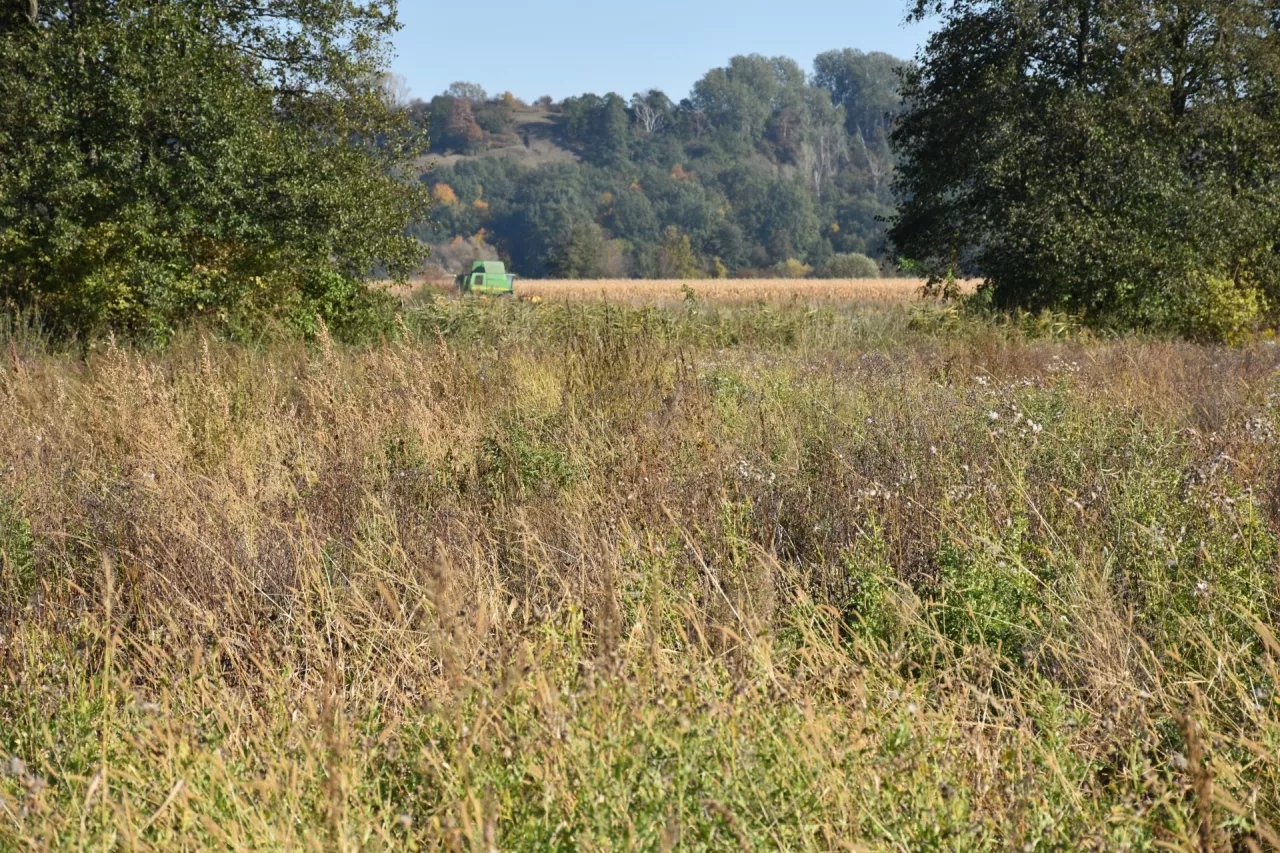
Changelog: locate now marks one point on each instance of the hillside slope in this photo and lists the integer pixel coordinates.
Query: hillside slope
(762, 169)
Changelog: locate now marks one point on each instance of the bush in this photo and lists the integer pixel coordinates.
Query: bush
(851, 265)
(1217, 308)
(791, 268)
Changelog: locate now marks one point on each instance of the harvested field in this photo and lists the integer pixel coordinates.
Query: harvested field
(727, 290)
(660, 291)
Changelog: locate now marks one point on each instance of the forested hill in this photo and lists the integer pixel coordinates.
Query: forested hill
(763, 167)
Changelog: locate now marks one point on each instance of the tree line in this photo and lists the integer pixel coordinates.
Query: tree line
(762, 169)
(246, 165)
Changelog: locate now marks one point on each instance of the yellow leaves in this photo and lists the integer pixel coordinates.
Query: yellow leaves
(1219, 308)
(444, 194)
(792, 268)
(678, 172)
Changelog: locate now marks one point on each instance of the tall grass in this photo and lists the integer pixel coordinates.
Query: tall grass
(563, 577)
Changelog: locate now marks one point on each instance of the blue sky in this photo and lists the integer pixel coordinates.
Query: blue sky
(567, 47)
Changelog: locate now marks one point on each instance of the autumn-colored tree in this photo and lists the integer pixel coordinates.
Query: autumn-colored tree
(462, 131)
(444, 194)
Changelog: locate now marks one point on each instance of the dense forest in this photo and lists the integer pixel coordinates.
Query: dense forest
(762, 169)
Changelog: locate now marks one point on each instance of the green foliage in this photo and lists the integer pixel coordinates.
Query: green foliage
(675, 256)
(1051, 150)
(757, 166)
(865, 85)
(1217, 308)
(17, 558)
(163, 163)
(517, 461)
(850, 265)
(792, 268)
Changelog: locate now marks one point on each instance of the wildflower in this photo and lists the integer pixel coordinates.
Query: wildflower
(993, 416)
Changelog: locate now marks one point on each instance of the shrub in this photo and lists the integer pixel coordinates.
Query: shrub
(791, 268)
(852, 265)
(1217, 308)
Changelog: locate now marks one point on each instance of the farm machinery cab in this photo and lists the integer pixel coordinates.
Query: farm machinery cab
(487, 277)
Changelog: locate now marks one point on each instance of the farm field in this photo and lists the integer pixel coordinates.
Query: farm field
(595, 576)
(727, 290)
(665, 291)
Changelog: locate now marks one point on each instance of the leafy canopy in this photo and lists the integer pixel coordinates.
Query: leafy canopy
(759, 165)
(225, 160)
(1118, 158)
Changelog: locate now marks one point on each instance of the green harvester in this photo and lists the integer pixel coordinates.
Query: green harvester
(487, 277)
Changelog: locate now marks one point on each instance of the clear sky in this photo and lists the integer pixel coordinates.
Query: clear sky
(568, 47)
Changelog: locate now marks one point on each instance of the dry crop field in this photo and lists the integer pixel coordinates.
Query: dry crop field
(725, 290)
(665, 291)
(597, 577)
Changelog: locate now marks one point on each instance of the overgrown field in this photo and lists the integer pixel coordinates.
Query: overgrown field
(593, 577)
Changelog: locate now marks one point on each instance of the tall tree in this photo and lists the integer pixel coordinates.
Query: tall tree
(1118, 158)
(462, 131)
(652, 111)
(212, 158)
(865, 84)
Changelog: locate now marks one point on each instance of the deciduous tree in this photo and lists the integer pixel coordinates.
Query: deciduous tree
(212, 159)
(1118, 158)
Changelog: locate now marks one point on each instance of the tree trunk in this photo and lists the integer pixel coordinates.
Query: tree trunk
(33, 12)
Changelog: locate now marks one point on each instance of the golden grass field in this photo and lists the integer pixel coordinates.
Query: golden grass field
(725, 290)
(639, 291)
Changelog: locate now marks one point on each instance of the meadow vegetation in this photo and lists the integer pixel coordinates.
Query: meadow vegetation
(596, 577)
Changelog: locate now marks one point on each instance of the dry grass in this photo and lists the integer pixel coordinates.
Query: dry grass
(589, 577)
(636, 291)
(654, 291)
